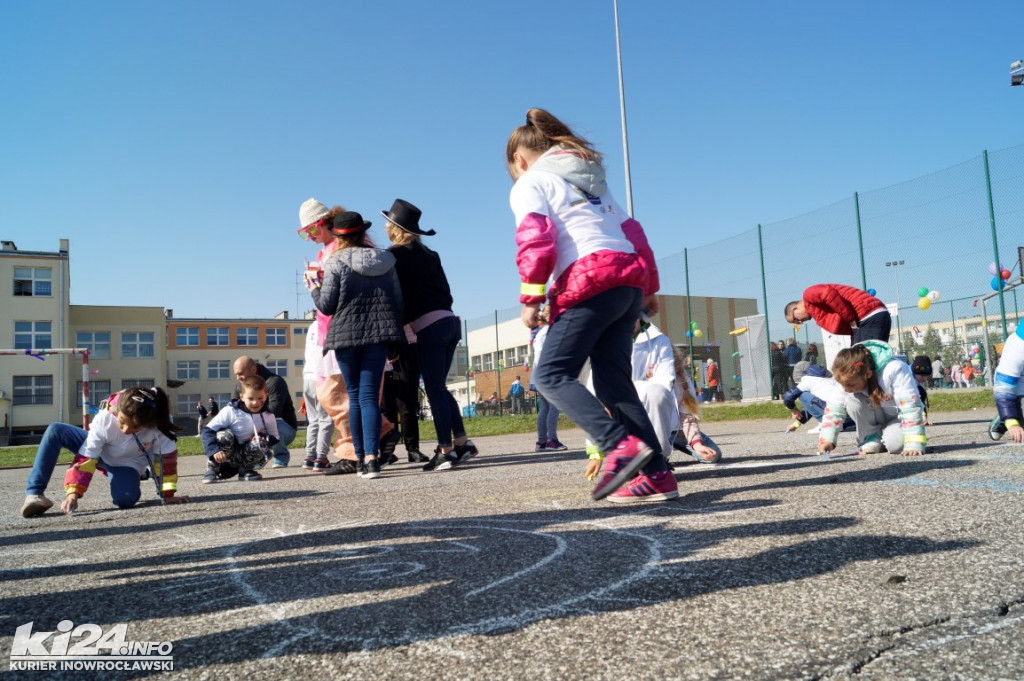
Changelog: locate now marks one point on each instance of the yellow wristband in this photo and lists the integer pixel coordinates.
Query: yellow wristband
(594, 453)
(532, 289)
(1010, 423)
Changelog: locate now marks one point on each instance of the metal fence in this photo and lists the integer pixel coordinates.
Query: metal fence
(939, 232)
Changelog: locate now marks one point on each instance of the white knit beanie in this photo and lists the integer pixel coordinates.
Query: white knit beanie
(311, 211)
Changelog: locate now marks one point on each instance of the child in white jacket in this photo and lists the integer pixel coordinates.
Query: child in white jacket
(882, 399)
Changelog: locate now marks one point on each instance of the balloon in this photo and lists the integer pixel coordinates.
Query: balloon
(922, 292)
(698, 333)
(993, 268)
(924, 303)
(693, 326)
(934, 296)
(1005, 274)
(738, 332)
(997, 283)
(689, 334)
(871, 291)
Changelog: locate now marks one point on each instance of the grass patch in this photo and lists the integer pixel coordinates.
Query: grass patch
(483, 426)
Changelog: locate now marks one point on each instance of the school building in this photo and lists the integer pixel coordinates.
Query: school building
(128, 346)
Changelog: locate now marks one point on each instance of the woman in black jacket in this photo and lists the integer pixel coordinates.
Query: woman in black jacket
(428, 315)
(361, 293)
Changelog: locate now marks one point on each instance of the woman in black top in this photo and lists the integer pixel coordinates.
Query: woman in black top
(428, 315)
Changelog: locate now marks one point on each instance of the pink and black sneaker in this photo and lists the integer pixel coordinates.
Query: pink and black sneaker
(621, 464)
(645, 488)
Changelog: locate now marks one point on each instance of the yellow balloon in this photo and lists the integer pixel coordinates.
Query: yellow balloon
(698, 333)
(924, 303)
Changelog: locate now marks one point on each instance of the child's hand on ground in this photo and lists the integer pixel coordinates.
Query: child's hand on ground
(1016, 433)
(706, 454)
(220, 457)
(69, 504)
(793, 426)
(593, 468)
(176, 500)
(826, 447)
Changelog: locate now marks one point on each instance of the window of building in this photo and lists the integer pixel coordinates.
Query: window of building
(186, 404)
(247, 335)
(137, 383)
(217, 335)
(523, 354)
(186, 336)
(277, 337)
(217, 369)
(488, 362)
(299, 331)
(33, 390)
(33, 281)
(98, 391)
(278, 366)
(221, 399)
(137, 345)
(28, 335)
(96, 342)
(188, 370)
(476, 363)
(300, 363)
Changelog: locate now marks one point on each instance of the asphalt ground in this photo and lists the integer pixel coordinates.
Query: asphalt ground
(777, 563)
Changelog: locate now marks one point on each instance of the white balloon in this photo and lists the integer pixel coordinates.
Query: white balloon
(934, 296)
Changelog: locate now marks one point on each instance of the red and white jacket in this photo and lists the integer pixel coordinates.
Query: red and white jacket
(574, 241)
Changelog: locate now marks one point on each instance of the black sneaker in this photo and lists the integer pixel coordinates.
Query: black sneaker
(387, 459)
(249, 476)
(996, 429)
(343, 467)
(371, 469)
(442, 462)
(467, 451)
(416, 456)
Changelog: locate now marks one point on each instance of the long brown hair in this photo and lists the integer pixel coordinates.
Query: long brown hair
(541, 132)
(689, 401)
(857, 362)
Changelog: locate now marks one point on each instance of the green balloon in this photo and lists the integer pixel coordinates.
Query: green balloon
(693, 325)
(922, 292)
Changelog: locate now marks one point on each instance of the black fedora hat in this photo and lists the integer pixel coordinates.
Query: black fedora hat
(349, 222)
(407, 217)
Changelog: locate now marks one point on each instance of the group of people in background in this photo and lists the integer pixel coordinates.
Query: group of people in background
(384, 321)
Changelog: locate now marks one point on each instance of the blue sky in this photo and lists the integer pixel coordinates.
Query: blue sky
(179, 138)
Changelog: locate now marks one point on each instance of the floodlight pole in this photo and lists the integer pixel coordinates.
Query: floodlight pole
(622, 113)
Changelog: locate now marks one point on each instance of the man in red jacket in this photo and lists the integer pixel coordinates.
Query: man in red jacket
(842, 310)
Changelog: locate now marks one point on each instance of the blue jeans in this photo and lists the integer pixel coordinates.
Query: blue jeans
(287, 435)
(547, 420)
(812, 405)
(435, 349)
(601, 329)
(362, 369)
(124, 480)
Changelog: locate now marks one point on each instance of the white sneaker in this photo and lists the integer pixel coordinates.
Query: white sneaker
(815, 430)
(35, 504)
(871, 447)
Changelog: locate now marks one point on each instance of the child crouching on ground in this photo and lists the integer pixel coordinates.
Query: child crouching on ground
(689, 439)
(882, 399)
(238, 440)
(132, 433)
(815, 387)
(1008, 389)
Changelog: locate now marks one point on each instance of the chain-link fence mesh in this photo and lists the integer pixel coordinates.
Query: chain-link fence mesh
(931, 234)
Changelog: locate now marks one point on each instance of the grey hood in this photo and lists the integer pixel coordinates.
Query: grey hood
(571, 166)
(370, 262)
